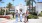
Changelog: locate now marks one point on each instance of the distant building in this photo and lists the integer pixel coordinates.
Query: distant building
(21, 6)
(3, 8)
(38, 7)
(11, 9)
(24, 8)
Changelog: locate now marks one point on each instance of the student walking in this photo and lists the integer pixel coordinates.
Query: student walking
(16, 15)
(21, 15)
(27, 16)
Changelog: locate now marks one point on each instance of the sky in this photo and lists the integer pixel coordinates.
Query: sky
(15, 2)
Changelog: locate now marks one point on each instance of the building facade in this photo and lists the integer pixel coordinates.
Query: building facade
(38, 7)
(21, 6)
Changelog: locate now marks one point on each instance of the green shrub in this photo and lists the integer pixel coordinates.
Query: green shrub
(33, 16)
(2, 12)
(33, 13)
(7, 12)
(40, 14)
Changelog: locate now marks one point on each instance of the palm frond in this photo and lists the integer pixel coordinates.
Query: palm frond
(28, 2)
(12, 0)
(9, 5)
(0, 0)
(37, 0)
(34, 1)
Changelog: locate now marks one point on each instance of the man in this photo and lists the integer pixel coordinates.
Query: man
(21, 15)
(16, 15)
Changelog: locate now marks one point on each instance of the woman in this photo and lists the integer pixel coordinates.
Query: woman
(27, 15)
(25, 18)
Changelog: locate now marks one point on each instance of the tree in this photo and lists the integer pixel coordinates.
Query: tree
(1, 1)
(28, 3)
(32, 4)
(12, 0)
(2, 12)
(9, 5)
(13, 12)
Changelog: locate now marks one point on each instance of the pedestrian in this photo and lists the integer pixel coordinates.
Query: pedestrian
(21, 15)
(27, 14)
(16, 15)
(25, 18)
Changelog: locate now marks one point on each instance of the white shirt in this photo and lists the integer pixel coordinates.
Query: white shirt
(21, 13)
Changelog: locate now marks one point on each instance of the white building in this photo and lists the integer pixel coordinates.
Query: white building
(21, 6)
(12, 9)
(38, 7)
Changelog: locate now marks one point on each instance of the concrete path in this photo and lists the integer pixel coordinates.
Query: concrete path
(29, 21)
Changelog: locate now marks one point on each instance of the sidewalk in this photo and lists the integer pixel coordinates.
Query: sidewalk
(29, 21)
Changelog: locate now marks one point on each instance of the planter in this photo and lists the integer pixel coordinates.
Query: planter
(2, 16)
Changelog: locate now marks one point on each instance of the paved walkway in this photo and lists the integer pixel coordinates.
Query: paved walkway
(29, 21)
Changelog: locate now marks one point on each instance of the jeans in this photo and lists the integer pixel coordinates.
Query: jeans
(21, 18)
(16, 19)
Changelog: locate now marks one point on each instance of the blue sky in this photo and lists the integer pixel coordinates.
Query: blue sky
(16, 2)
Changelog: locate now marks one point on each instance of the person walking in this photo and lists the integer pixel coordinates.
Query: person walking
(27, 14)
(21, 15)
(16, 15)
(26, 17)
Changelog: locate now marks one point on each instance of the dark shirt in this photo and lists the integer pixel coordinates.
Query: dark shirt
(16, 14)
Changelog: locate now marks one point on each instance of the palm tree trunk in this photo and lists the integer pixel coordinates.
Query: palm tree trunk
(0, 0)
(13, 13)
(32, 6)
(29, 6)
(1, 8)
(9, 9)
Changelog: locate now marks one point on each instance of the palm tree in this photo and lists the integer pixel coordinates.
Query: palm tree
(28, 3)
(12, 0)
(13, 13)
(9, 6)
(32, 4)
(1, 1)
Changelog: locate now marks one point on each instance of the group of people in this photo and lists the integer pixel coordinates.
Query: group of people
(20, 14)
